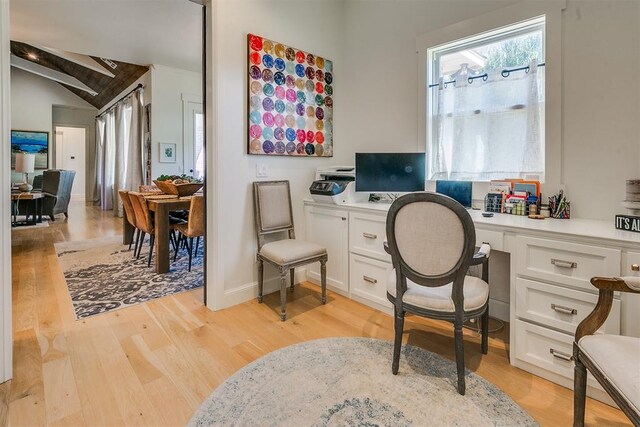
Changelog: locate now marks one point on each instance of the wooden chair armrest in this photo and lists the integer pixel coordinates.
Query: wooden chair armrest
(385, 244)
(482, 255)
(607, 286)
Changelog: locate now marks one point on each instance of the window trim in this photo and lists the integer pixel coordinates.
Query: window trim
(484, 24)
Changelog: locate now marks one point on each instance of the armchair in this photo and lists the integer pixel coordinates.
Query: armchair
(613, 360)
(56, 184)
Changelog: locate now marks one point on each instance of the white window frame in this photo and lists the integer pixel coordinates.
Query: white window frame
(482, 26)
(436, 52)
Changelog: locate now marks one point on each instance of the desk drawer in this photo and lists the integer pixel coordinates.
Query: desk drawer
(494, 238)
(569, 264)
(547, 349)
(367, 234)
(559, 307)
(369, 278)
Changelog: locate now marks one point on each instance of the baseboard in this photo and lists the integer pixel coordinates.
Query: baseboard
(249, 291)
(499, 310)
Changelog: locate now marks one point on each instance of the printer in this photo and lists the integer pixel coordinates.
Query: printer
(336, 185)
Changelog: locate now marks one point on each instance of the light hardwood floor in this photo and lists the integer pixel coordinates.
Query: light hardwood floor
(154, 363)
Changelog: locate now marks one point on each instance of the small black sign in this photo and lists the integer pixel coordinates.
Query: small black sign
(628, 223)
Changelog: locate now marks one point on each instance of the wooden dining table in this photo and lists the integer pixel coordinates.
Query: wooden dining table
(161, 206)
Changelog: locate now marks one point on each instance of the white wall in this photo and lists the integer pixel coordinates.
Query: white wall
(6, 341)
(32, 101)
(601, 104)
(314, 26)
(600, 48)
(168, 85)
(80, 117)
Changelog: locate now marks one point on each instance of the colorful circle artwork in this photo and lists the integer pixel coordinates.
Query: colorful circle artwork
(267, 61)
(290, 100)
(278, 77)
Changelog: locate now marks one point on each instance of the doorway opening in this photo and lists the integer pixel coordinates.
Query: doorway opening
(70, 147)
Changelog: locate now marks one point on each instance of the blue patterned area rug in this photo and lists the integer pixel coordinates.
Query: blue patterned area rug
(348, 382)
(102, 275)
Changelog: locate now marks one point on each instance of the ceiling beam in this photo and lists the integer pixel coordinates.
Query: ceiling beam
(50, 74)
(84, 60)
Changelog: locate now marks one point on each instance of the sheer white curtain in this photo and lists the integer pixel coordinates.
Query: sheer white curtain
(136, 158)
(107, 167)
(489, 129)
(120, 159)
(100, 141)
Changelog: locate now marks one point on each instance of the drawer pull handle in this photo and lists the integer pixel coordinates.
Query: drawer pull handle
(369, 279)
(370, 236)
(344, 218)
(635, 267)
(565, 310)
(564, 264)
(560, 355)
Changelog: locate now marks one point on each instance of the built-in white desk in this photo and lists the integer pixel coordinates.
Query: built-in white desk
(551, 264)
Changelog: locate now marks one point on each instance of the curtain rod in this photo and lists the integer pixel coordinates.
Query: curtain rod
(505, 73)
(139, 86)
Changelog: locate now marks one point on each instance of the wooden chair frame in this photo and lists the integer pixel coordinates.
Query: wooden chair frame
(456, 276)
(283, 269)
(593, 322)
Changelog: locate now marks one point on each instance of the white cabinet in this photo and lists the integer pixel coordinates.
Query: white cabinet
(330, 228)
(552, 263)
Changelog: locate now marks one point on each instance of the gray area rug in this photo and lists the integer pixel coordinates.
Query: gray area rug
(102, 275)
(348, 381)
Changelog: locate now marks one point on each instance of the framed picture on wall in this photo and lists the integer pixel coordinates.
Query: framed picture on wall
(31, 142)
(290, 97)
(167, 152)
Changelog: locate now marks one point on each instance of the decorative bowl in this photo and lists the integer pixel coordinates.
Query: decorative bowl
(179, 190)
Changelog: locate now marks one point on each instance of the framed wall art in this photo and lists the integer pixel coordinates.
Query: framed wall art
(290, 97)
(167, 152)
(31, 142)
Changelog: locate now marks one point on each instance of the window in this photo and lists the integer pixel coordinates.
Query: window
(486, 105)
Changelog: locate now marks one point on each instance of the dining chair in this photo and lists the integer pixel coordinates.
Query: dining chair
(131, 216)
(192, 229)
(431, 239)
(613, 360)
(273, 214)
(144, 221)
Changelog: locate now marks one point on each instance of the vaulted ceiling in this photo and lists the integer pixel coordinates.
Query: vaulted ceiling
(166, 32)
(106, 78)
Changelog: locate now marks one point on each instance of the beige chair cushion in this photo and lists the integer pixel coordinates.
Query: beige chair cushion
(476, 294)
(633, 282)
(618, 358)
(288, 251)
(430, 237)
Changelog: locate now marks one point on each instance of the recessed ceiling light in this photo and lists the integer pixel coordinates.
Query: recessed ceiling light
(33, 56)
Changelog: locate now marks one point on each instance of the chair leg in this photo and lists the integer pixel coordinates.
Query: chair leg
(323, 280)
(260, 279)
(190, 251)
(131, 242)
(152, 241)
(172, 240)
(459, 356)
(398, 317)
(140, 243)
(292, 274)
(579, 392)
(485, 331)
(283, 294)
(175, 255)
(197, 244)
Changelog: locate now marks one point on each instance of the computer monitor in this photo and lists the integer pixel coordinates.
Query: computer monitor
(390, 172)
(460, 191)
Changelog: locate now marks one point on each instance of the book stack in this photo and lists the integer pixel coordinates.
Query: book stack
(632, 199)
